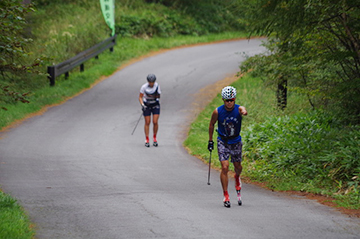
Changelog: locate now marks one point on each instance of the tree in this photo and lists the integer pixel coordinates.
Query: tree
(316, 43)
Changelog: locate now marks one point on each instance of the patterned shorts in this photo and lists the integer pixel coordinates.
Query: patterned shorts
(227, 150)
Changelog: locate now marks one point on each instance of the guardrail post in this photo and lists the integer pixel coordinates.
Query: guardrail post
(113, 40)
(82, 68)
(51, 76)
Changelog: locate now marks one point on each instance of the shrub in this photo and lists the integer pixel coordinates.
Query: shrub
(310, 147)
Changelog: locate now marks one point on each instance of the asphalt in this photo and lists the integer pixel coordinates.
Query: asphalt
(79, 172)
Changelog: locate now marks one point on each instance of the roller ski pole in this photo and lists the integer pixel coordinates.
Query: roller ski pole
(137, 124)
(209, 169)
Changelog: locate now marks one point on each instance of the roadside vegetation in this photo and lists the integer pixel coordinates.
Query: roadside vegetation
(302, 132)
(313, 51)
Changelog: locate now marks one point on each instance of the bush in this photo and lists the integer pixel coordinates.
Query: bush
(313, 148)
(169, 24)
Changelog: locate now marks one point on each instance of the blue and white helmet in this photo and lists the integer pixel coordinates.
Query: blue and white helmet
(228, 92)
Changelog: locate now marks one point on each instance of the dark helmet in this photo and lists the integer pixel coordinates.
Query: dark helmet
(151, 78)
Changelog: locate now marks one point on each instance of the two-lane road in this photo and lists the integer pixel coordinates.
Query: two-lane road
(80, 173)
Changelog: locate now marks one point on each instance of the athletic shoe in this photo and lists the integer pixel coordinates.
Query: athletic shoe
(227, 202)
(147, 144)
(155, 141)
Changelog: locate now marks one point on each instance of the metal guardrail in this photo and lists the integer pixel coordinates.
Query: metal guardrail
(64, 67)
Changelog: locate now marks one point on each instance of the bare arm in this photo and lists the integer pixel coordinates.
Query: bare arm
(242, 110)
(214, 118)
(141, 99)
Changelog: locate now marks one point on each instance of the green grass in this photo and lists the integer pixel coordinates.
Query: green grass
(14, 221)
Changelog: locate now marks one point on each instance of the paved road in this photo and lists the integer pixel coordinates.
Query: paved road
(80, 174)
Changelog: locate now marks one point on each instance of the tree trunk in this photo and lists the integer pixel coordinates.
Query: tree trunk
(281, 93)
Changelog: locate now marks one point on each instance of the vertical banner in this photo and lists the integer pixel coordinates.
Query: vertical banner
(108, 10)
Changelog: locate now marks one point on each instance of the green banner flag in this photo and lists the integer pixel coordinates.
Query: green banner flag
(108, 10)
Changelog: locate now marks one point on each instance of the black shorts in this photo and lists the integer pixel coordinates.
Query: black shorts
(152, 109)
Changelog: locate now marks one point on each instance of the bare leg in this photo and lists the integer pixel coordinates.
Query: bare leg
(224, 174)
(224, 181)
(147, 126)
(238, 169)
(155, 123)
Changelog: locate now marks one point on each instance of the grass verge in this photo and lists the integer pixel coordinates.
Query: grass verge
(14, 221)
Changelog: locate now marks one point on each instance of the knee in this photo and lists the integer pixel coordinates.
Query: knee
(238, 168)
(224, 169)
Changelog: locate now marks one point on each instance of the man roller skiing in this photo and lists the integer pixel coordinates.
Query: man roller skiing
(228, 116)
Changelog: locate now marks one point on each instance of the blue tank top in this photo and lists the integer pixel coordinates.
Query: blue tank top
(229, 124)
